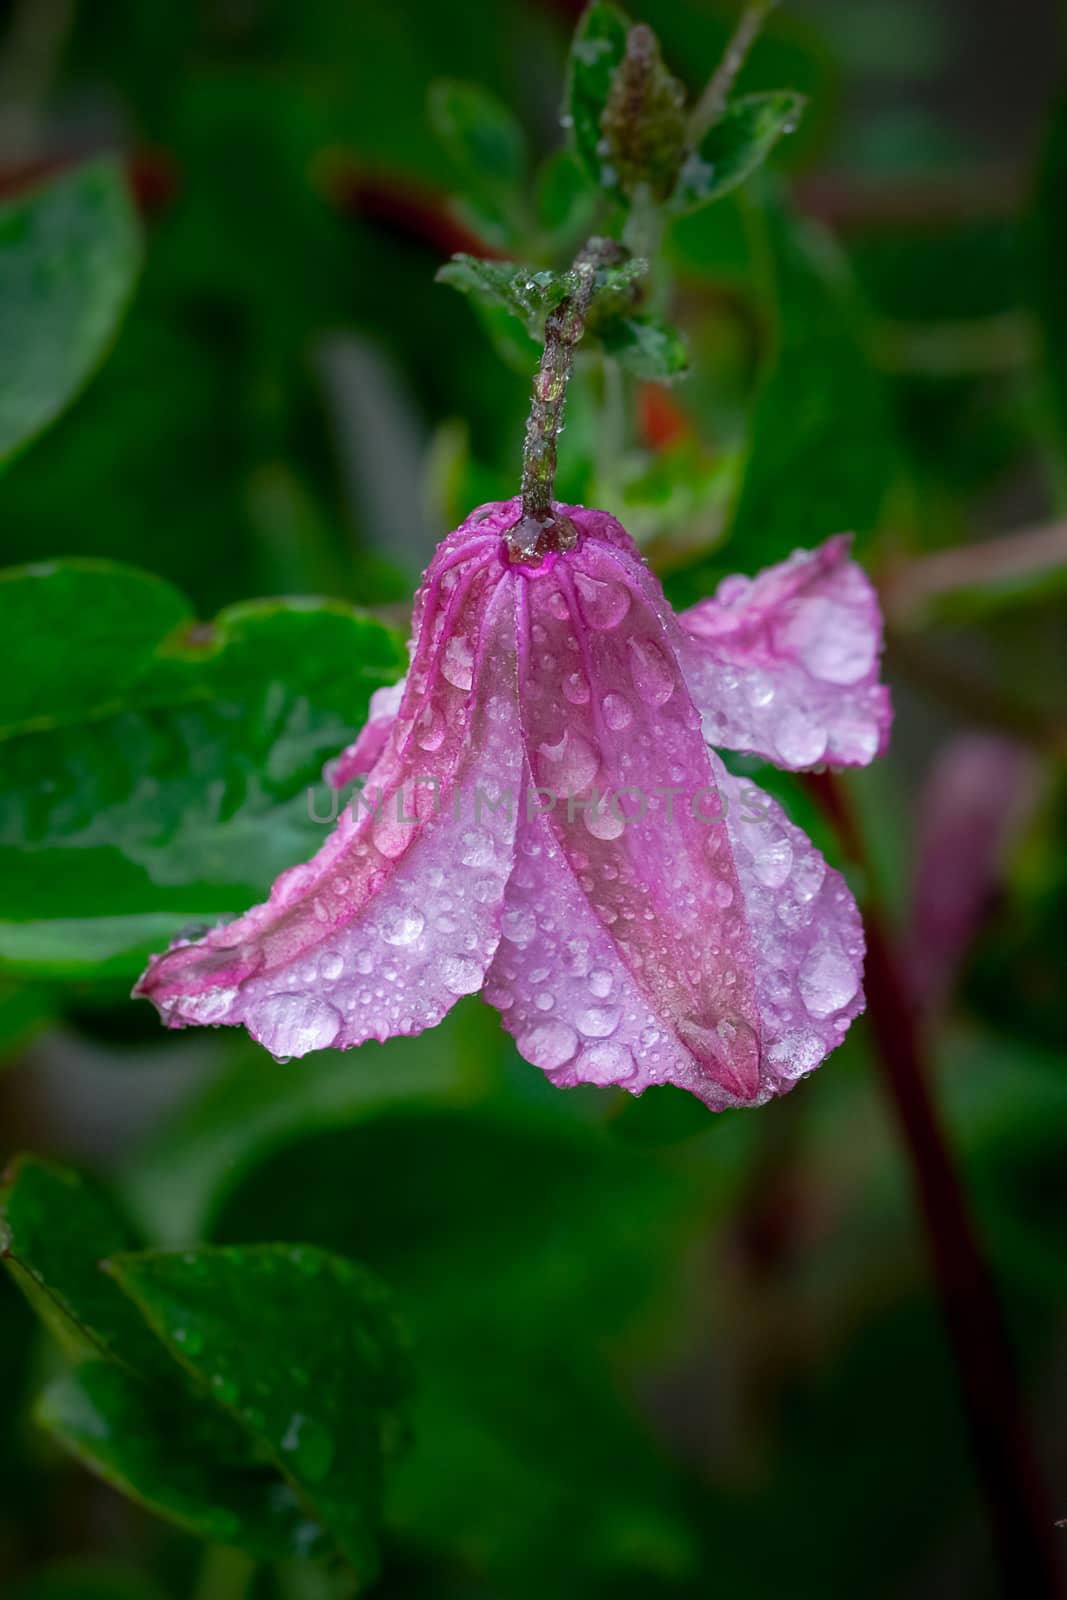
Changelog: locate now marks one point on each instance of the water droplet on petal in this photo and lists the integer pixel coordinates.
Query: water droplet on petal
(293, 1024)
(401, 924)
(332, 966)
(575, 689)
(600, 982)
(430, 729)
(599, 1022)
(548, 1045)
(651, 672)
(618, 712)
(827, 981)
(799, 740)
(604, 604)
(570, 765)
(518, 926)
(606, 1063)
(460, 975)
(457, 663)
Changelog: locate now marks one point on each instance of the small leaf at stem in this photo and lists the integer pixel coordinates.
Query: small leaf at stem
(598, 47)
(646, 346)
(735, 145)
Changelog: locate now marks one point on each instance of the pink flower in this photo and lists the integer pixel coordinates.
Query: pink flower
(543, 821)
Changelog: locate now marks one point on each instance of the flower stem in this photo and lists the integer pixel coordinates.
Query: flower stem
(539, 529)
(992, 1394)
(712, 103)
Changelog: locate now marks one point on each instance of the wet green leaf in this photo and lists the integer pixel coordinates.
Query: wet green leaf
(179, 1457)
(303, 1349)
(179, 789)
(821, 452)
(487, 147)
(56, 1226)
(735, 146)
(647, 346)
(69, 254)
(530, 293)
(644, 122)
(597, 49)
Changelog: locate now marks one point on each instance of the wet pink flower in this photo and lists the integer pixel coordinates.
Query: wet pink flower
(542, 820)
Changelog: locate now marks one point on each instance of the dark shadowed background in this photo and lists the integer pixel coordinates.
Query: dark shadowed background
(657, 1352)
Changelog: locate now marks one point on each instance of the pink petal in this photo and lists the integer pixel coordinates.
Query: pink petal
(398, 914)
(972, 808)
(804, 930)
(625, 957)
(785, 665)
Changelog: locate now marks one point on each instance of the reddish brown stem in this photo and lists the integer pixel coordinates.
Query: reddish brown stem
(992, 1394)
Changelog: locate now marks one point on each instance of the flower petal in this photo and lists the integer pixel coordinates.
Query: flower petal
(625, 957)
(785, 665)
(804, 929)
(398, 914)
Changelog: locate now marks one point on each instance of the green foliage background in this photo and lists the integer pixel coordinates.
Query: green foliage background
(408, 1318)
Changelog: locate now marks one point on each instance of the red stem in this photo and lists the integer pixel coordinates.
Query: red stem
(992, 1394)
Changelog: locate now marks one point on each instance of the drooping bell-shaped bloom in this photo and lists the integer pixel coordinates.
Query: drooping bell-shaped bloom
(543, 819)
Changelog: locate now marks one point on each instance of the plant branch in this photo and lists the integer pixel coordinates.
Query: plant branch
(539, 529)
(975, 1324)
(712, 103)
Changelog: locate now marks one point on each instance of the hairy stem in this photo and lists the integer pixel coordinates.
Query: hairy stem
(712, 103)
(992, 1395)
(538, 528)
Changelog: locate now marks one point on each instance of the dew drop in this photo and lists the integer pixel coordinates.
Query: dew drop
(293, 1024)
(570, 765)
(332, 966)
(799, 740)
(606, 1063)
(575, 689)
(457, 663)
(599, 1022)
(650, 671)
(827, 981)
(548, 1045)
(309, 1447)
(401, 925)
(600, 983)
(618, 712)
(518, 926)
(604, 604)
(460, 975)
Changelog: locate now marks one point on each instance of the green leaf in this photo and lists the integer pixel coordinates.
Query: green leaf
(303, 1349)
(646, 346)
(56, 1226)
(177, 1455)
(523, 1320)
(527, 293)
(24, 1008)
(530, 293)
(69, 255)
(821, 453)
(487, 147)
(173, 772)
(597, 49)
(734, 146)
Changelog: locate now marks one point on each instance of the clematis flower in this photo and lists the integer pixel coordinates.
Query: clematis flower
(544, 818)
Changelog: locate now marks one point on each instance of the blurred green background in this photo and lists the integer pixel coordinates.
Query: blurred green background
(656, 1352)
